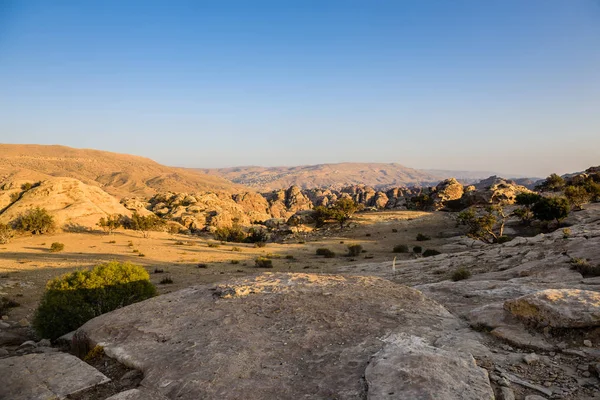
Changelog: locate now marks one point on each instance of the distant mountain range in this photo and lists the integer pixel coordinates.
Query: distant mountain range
(118, 174)
(380, 176)
(335, 176)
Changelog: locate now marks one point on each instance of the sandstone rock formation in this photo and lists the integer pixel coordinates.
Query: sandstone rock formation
(558, 308)
(449, 189)
(288, 336)
(73, 204)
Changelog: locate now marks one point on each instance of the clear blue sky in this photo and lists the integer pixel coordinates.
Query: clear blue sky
(506, 85)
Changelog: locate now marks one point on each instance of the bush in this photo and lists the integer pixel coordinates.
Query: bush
(36, 221)
(215, 245)
(422, 238)
(235, 262)
(6, 304)
(417, 249)
(56, 247)
(260, 244)
(503, 239)
(144, 224)
(430, 252)
(400, 248)
(263, 262)
(167, 280)
(551, 208)
(6, 233)
(577, 196)
(71, 300)
(354, 250)
(110, 223)
(325, 252)
(230, 234)
(461, 274)
(257, 236)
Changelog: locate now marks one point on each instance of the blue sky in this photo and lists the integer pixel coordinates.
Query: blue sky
(506, 85)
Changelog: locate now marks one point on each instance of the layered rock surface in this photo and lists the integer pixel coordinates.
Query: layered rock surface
(286, 336)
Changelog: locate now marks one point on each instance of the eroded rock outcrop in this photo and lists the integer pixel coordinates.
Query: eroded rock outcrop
(283, 336)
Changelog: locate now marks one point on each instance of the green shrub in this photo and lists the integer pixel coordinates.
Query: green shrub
(6, 233)
(167, 280)
(503, 239)
(144, 223)
(417, 249)
(230, 234)
(289, 257)
(551, 208)
(400, 248)
(422, 238)
(461, 274)
(235, 262)
(257, 236)
(110, 223)
(322, 251)
(430, 252)
(584, 267)
(72, 299)
(260, 244)
(263, 262)
(215, 245)
(6, 304)
(56, 247)
(36, 221)
(354, 250)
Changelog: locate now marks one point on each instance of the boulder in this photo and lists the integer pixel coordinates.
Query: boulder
(276, 336)
(46, 376)
(558, 308)
(449, 189)
(409, 368)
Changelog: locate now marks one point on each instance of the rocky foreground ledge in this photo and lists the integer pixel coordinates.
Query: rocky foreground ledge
(288, 336)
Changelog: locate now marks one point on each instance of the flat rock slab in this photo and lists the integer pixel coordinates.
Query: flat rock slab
(518, 337)
(138, 394)
(273, 336)
(558, 308)
(46, 376)
(409, 368)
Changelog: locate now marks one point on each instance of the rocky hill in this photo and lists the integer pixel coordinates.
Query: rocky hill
(331, 176)
(118, 174)
(73, 204)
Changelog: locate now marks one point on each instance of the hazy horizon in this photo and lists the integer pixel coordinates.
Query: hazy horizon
(507, 86)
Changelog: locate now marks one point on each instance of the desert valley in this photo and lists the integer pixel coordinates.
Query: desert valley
(299, 200)
(439, 290)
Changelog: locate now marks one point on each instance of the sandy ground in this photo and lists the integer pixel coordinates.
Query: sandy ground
(26, 264)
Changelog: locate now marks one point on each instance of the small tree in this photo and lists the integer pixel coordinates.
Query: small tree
(489, 227)
(36, 221)
(526, 200)
(145, 224)
(553, 183)
(344, 209)
(577, 196)
(110, 223)
(551, 209)
(321, 215)
(6, 233)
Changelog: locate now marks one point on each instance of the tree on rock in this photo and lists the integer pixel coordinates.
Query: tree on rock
(553, 183)
(577, 196)
(551, 209)
(488, 227)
